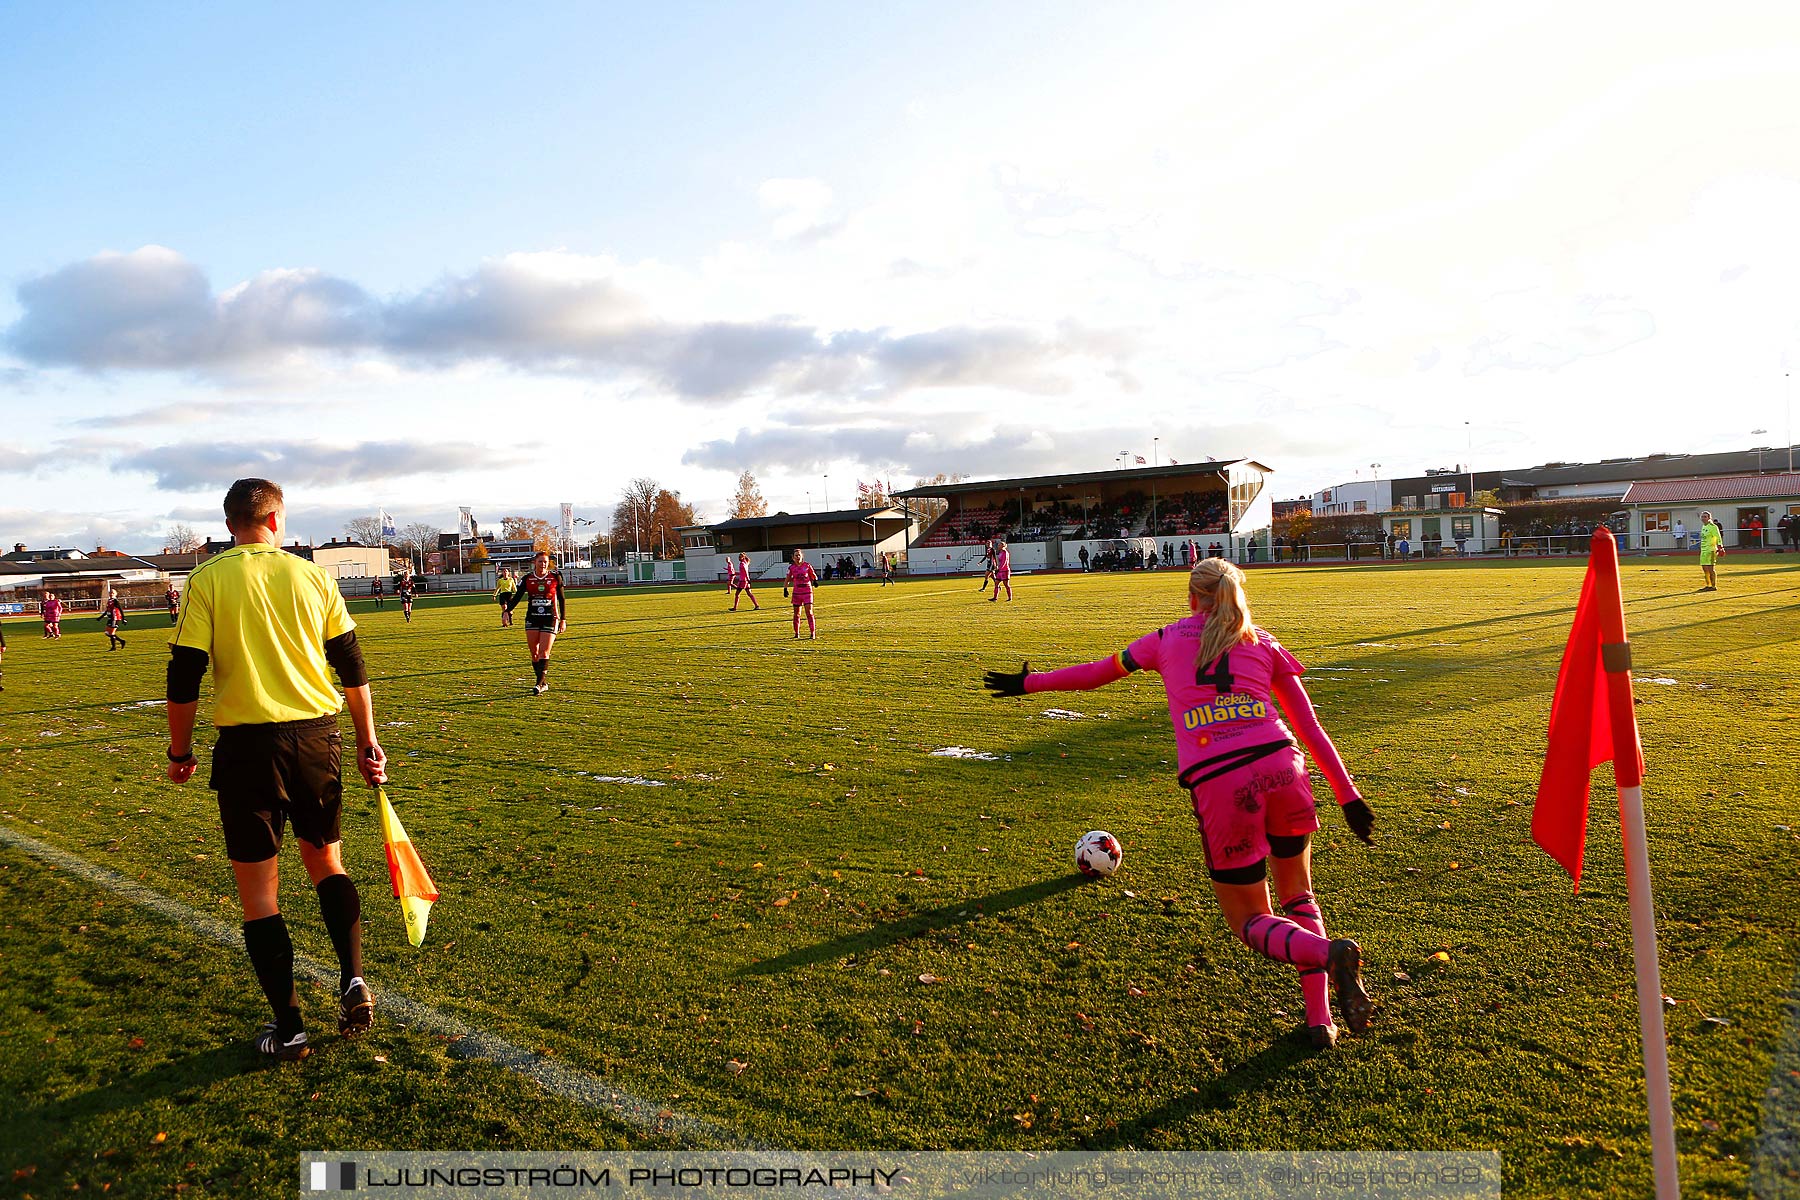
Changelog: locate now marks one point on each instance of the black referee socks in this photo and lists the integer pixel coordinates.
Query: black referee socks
(272, 956)
(341, 907)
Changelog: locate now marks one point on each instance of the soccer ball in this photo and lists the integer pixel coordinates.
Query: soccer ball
(1098, 853)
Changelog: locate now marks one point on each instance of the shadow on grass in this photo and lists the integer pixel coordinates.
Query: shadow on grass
(958, 913)
(1213, 1095)
(180, 1081)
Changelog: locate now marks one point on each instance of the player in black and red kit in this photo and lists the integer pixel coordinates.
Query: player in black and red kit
(545, 615)
(406, 597)
(174, 599)
(113, 616)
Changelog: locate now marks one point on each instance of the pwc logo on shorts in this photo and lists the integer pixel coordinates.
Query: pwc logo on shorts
(332, 1177)
(1234, 706)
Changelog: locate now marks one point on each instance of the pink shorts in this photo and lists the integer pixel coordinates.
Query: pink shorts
(802, 596)
(1240, 809)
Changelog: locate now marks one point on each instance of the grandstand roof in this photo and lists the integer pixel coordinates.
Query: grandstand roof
(1725, 487)
(887, 511)
(1117, 475)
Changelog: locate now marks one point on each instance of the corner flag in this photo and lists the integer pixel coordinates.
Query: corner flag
(1592, 721)
(412, 882)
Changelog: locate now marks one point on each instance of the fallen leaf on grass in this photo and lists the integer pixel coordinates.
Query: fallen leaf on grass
(736, 1067)
(159, 1139)
(1135, 990)
(135, 1043)
(929, 979)
(381, 1058)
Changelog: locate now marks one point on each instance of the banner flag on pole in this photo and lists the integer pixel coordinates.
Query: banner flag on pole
(1585, 714)
(412, 882)
(465, 523)
(1592, 721)
(387, 524)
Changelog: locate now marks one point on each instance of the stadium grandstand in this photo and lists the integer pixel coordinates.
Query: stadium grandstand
(1048, 520)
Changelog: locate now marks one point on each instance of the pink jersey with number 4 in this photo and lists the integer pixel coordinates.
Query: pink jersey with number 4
(1218, 708)
(800, 578)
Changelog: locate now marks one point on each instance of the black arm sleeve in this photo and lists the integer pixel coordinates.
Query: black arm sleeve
(186, 665)
(345, 657)
(562, 603)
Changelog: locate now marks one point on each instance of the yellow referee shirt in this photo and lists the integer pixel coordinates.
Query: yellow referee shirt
(263, 616)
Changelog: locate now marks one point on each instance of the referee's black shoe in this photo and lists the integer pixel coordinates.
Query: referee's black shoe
(271, 1044)
(356, 1009)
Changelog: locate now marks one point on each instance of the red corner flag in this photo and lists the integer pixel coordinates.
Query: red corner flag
(1591, 718)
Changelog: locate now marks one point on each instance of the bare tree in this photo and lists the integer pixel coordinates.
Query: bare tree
(930, 508)
(366, 530)
(634, 514)
(648, 516)
(419, 539)
(181, 539)
(748, 502)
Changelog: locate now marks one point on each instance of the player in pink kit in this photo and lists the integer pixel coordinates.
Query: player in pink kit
(740, 582)
(731, 581)
(52, 611)
(1252, 797)
(1002, 571)
(800, 580)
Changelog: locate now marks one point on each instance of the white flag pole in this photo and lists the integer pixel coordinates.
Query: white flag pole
(1628, 775)
(1649, 990)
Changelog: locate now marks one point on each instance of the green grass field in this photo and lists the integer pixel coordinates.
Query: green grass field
(746, 945)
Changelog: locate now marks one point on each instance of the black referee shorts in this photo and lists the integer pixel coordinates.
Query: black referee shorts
(269, 775)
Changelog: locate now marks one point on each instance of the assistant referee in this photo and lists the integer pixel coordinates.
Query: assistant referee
(270, 623)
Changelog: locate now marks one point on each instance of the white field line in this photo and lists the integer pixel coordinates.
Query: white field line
(566, 1082)
(1775, 1173)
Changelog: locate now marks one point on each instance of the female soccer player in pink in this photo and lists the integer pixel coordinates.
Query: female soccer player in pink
(743, 584)
(1252, 797)
(731, 581)
(1002, 571)
(52, 611)
(800, 580)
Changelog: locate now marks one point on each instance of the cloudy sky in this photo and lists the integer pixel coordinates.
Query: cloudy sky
(420, 256)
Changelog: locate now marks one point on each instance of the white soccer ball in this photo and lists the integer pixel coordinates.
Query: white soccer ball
(1098, 853)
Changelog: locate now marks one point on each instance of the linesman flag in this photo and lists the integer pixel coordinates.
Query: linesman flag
(412, 882)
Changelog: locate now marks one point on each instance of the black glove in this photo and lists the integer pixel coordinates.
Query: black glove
(1362, 821)
(1007, 683)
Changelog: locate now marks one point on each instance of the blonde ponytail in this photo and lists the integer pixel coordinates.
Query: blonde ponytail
(1219, 587)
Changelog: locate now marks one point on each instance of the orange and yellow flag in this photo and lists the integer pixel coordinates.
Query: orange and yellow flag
(412, 882)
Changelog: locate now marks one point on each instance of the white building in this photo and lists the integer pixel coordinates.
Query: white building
(1665, 513)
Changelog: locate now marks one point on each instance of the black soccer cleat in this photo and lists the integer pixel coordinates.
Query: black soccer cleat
(269, 1043)
(1324, 1037)
(1344, 962)
(356, 1009)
